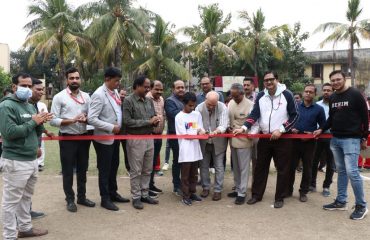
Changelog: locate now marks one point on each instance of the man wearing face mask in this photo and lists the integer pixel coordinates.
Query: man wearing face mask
(20, 127)
(69, 109)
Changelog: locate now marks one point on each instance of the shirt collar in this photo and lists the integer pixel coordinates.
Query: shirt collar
(138, 98)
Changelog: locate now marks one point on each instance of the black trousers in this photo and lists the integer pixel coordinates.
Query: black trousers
(174, 145)
(74, 154)
(108, 163)
(127, 165)
(280, 150)
(323, 145)
(304, 150)
(157, 151)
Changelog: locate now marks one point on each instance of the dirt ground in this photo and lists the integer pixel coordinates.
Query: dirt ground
(205, 220)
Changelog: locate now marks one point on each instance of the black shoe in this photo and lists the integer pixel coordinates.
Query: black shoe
(155, 189)
(136, 203)
(149, 200)
(107, 204)
(239, 200)
(41, 168)
(36, 215)
(186, 201)
(278, 203)
(359, 212)
(86, 202)
(153, 194)
(119, 198)
(232, 195)
(71, 206)
(252, 201)
(195, 197)
(335, 206)
(302, 197)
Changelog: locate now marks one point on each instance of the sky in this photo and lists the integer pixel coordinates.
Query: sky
(310, 13)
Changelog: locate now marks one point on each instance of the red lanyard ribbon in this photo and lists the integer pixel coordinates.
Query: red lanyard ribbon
(75, 98)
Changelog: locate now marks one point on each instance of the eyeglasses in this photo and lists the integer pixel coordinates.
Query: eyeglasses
(73, 78)
(268, 80)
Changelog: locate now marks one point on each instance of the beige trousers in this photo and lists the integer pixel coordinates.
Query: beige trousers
(140, 157)
(19, 179)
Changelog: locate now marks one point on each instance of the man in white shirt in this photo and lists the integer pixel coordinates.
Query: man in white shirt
(69, 109)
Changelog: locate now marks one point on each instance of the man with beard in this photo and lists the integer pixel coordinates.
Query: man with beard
(20, 127)
(349, 124)
(69, 108)
(173, 105)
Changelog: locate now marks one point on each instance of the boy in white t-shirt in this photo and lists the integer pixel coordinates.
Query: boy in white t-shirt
(189, 122)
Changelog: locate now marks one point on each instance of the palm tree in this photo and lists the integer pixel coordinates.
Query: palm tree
(250, 41)
(209, 37)
(160, 52)
(351, 32)
(117, 27)
(55, 29)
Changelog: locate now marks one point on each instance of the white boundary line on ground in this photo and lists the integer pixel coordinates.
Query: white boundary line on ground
(365, 178)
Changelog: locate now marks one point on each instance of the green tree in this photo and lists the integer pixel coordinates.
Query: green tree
(351, 32)
(159, 53)
(118, 29)
(56, 30)
(256, 43)
(40, 68)
(5, 80)
(292, 65)
(209, 38)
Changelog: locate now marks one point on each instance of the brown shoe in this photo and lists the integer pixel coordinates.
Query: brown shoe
(205, 193)
(216, 196)
(34, 232)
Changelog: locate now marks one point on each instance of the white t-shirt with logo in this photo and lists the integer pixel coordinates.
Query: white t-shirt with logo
(189, 123)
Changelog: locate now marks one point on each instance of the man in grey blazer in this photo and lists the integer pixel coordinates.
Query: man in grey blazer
(105, 115)
(215, 118)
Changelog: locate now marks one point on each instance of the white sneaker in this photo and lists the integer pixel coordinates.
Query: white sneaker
(165, 167)
(212, 170)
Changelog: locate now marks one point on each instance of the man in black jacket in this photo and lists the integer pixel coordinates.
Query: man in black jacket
(349, 123)
(173, 105)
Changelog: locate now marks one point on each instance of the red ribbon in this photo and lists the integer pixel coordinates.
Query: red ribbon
(173, 136)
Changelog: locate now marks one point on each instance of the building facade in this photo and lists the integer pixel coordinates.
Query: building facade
(5, 57)
(324, 62)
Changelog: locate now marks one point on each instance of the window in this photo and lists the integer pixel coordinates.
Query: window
(317, 70)
(345, 69)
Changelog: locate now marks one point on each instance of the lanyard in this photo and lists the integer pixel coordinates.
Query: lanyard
(115, 97)
(74, 98)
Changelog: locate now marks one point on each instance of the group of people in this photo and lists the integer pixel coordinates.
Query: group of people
(107, 111)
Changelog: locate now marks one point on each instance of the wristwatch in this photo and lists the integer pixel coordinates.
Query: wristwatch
(282, 129)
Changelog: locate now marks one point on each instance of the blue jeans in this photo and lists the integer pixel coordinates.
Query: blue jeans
(346, 152)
